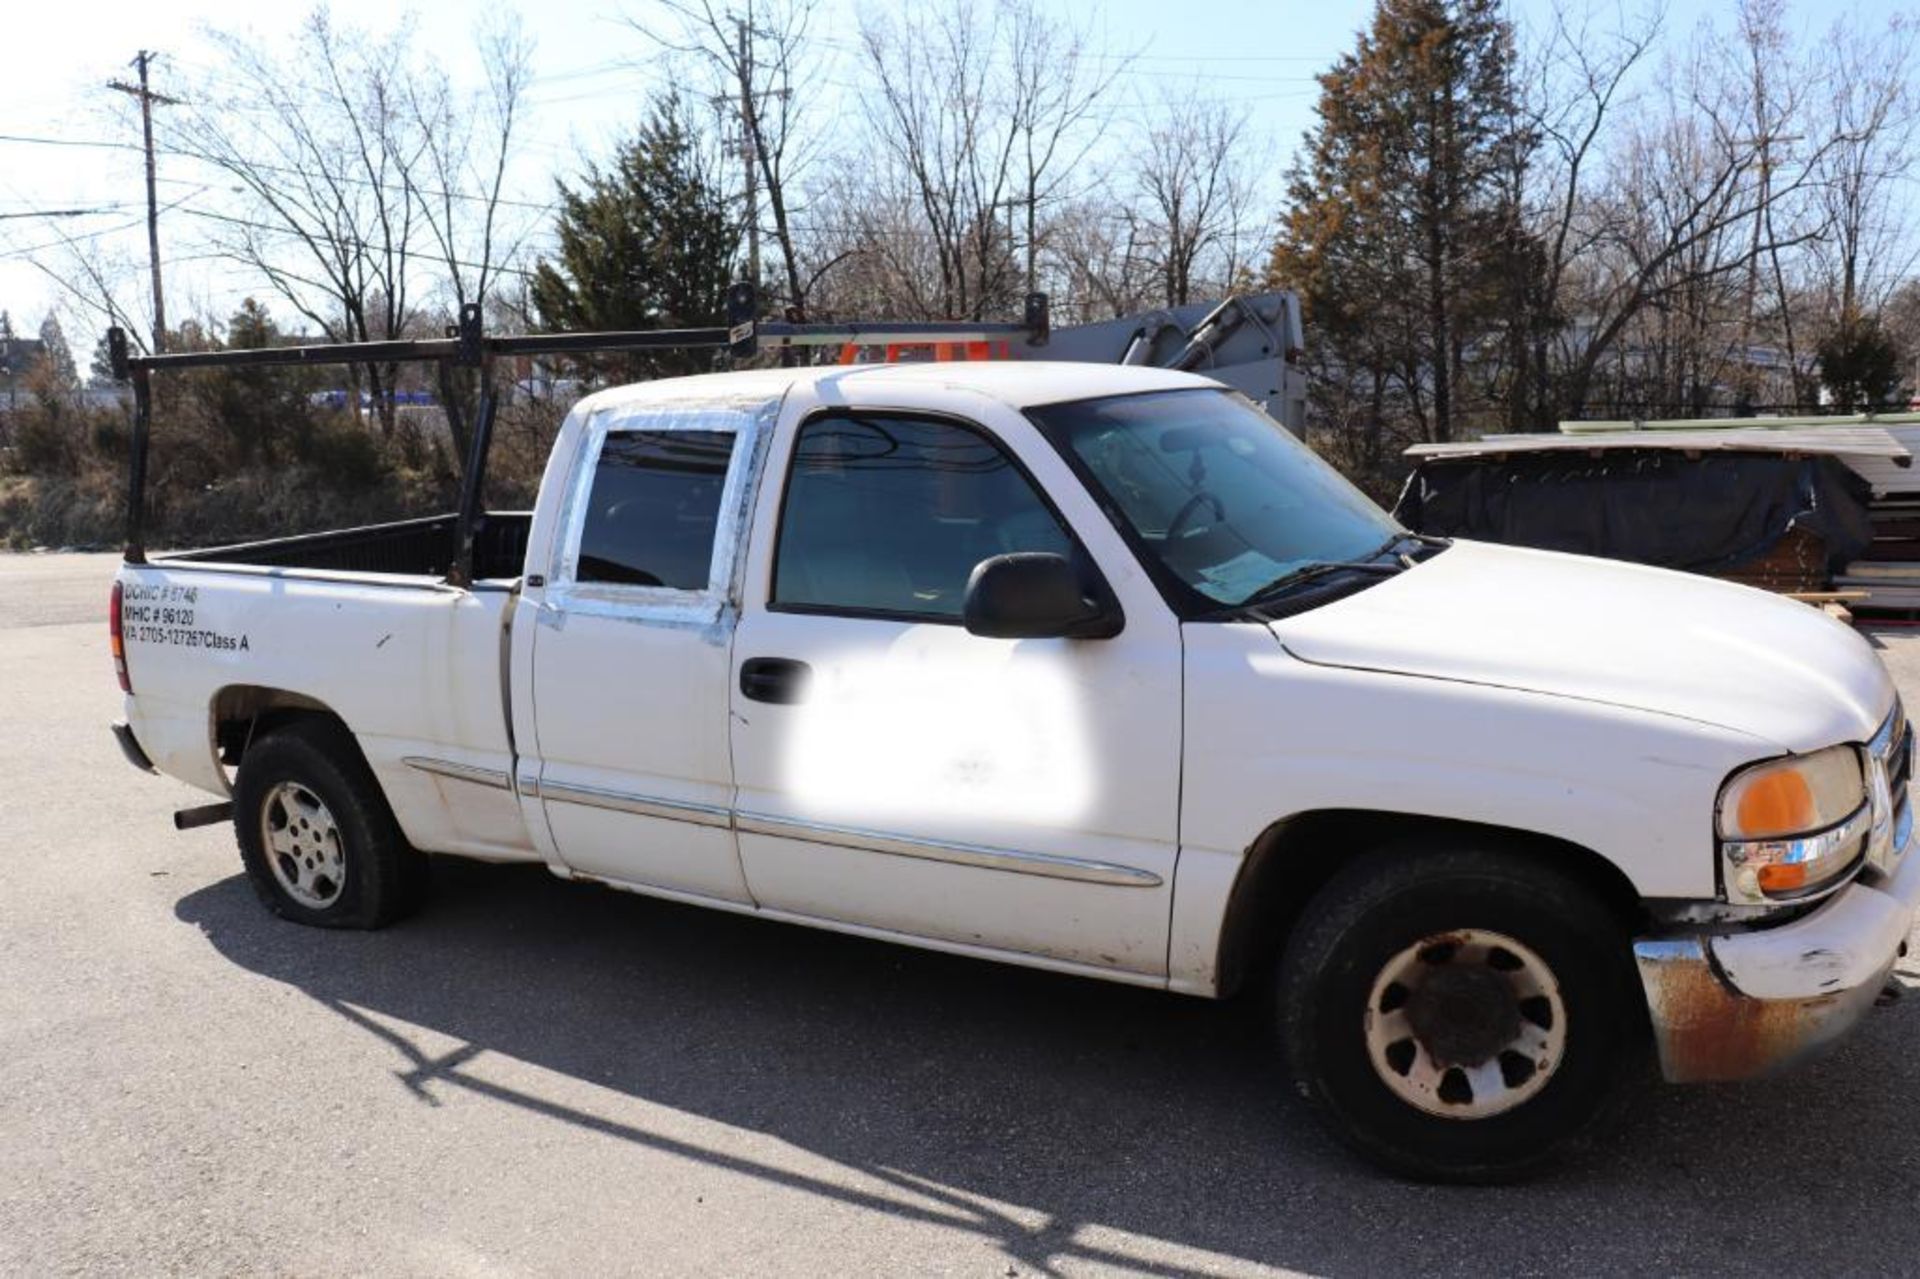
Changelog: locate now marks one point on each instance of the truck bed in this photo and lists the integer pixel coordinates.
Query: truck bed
(418, 547)
(412, 666)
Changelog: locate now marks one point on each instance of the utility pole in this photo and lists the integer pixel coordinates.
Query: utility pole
(147, 98)
(749, 145)
(1748, 383)
(6, 360)
(1763, 142)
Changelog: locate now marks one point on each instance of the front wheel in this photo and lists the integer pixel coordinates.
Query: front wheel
(1457, 1015)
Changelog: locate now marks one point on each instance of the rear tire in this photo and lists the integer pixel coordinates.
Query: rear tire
(1454, 1014)
(317, 839)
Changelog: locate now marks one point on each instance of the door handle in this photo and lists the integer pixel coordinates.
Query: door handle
(779, 680)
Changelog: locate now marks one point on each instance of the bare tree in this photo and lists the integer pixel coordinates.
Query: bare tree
(980, 116)
(763, 67)
(1572, 95)
(938, 120)
(108, 285)
(466, 145)
(1790, 226)
(323, 141)
(1869, 112)
(878, 259)
(1056, 83)
(1098, 264)
(1676, 216)
(372, 190)
(1194, 190)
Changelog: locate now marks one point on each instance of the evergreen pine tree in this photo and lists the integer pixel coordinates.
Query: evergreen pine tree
(648, 242)
(100, 367)
(1860, 365)
(57, 355)
(1403, 235)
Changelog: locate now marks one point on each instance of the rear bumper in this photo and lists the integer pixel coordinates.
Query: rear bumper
(130, 747)
(1734, 1005)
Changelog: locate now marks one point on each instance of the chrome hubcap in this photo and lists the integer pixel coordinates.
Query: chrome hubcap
(1466, 1024)
(303, 846)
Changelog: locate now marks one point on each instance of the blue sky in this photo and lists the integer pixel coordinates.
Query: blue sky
(56, 58)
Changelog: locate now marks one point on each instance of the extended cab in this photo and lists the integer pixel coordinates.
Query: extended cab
(1095, 669)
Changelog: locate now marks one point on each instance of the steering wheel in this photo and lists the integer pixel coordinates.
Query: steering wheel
(1187, 508)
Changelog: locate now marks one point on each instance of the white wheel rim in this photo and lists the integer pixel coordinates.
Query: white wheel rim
(303, 846)
(1466, 1024)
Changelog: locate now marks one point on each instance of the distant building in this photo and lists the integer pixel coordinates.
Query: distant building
(16, 357)
(18, 354)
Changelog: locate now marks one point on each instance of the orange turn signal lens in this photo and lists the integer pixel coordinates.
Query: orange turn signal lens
(1780, 801)
(1783, 877)
(1792, 796)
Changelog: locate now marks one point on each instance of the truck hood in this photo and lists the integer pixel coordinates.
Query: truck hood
(1605, 631)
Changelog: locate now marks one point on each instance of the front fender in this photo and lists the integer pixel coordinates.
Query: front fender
(1269, 736)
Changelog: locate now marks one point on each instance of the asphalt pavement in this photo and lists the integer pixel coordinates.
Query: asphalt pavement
(547, 1078)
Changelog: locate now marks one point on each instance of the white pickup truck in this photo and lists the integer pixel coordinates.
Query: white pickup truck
(1095, 669)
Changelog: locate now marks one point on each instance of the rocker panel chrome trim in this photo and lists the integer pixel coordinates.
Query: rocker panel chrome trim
(1048, 865)
(672, 810)
(479, 776)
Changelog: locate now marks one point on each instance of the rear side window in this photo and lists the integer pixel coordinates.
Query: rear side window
(654, 508)
(889, 515)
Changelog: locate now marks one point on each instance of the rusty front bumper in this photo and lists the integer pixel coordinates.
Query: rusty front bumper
(1734, 1005)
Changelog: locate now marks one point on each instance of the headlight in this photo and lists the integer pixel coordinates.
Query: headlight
(1792, 796)
(1791, 827)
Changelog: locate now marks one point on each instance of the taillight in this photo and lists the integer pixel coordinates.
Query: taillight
(116, 639)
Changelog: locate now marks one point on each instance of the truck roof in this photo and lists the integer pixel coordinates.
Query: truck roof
(1018, 384)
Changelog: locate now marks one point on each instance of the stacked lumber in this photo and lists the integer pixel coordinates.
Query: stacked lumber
(1796, 564)
(1889, 571)
(1888, 586)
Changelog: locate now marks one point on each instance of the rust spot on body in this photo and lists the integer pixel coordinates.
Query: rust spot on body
(1708, 1033)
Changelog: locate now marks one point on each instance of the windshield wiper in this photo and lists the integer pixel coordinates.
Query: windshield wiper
(1397, 546)
(1372, 563)
(1326, 568)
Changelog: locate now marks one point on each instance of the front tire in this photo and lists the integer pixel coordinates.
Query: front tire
(318, 841)
(1454, 1014)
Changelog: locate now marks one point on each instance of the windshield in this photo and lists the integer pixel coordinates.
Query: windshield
(1217, 494)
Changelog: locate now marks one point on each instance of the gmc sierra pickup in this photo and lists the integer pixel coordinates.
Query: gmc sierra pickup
(1095, 669)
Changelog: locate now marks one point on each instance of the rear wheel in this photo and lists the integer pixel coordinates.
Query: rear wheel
(303, 845)
(316, 836)
(1457, 1015)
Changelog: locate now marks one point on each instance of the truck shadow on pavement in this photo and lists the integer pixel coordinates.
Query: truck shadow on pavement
(952, 1087)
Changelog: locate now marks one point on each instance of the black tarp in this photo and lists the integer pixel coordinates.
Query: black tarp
(1707, 513)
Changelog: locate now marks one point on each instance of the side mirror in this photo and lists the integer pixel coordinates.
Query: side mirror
(1036, 595)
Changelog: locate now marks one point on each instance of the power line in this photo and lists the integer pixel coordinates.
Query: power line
(351, 241)
(62, 213)
(1208, 58)
(1092, 55)
(67, 142)
(69, 241)
(291, 171)
(611, 66)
